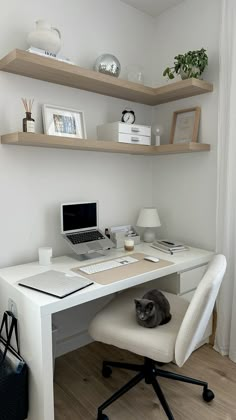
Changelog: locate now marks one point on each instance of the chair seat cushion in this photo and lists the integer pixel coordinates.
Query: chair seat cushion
(116, 324)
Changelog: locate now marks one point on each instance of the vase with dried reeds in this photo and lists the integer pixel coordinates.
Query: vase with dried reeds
(28, 121)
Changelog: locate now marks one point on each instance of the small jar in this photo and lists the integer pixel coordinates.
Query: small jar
(28, 123)
(129, 245)
(135, 74)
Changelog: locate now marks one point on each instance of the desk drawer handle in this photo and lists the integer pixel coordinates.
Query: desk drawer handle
(135, 130)
(134, 139)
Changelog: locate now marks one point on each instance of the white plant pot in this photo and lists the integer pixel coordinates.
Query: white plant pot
(45, 37)
(184, 75)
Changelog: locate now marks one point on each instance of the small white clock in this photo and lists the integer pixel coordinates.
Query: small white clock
(128, 116)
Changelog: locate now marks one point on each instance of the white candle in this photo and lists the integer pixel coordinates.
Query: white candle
(129, 244)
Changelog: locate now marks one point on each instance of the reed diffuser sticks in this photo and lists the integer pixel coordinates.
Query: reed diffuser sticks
(28, 121)
(28, 104)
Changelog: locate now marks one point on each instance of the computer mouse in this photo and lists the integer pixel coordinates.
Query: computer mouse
(152, 259)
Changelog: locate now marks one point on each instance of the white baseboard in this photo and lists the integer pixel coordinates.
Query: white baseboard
(71, 343)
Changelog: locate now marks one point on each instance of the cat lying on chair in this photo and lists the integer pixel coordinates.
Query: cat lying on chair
(152, 309)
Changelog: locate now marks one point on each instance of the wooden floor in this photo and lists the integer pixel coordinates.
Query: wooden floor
(80, 387)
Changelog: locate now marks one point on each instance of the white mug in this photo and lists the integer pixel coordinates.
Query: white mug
(45, 254)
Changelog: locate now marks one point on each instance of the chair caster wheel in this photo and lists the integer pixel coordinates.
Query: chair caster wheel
(208, 395)
(106, 371)
(102, 417)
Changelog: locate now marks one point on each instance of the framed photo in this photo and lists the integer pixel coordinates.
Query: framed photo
(58, 121)
(185, 125)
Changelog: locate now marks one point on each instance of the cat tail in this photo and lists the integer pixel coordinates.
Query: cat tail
(166, 320)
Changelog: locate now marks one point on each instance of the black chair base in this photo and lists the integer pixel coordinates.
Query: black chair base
(149, 372)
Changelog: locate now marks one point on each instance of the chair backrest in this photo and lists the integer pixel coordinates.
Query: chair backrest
(200, 309)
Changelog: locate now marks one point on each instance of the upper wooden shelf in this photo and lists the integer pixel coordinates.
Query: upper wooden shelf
(43, 140)
(50, 70)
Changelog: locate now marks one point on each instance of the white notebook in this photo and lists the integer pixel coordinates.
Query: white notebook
(55, 283)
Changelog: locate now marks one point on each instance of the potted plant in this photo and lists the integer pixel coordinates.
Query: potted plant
(190, 64)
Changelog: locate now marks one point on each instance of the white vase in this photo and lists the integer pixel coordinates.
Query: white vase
(185, 75)
(45, 37)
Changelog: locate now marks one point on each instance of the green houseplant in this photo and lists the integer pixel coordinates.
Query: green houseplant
(190, 64)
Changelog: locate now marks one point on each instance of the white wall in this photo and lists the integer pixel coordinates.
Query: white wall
(34, 181)
(184, 186)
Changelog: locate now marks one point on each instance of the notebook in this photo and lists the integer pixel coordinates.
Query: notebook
(55, 283)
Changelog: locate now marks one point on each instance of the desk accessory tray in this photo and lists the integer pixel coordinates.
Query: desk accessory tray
(118, 234)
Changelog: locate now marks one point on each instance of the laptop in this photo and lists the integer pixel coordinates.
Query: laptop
(55, 283)
(79, 227)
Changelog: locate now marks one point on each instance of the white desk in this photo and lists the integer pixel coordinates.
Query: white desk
(35, 312)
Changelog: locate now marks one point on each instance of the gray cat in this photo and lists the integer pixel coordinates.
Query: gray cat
(152, 309)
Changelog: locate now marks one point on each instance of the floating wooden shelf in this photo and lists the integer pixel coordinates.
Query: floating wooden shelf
(43, 140)
(50, 70)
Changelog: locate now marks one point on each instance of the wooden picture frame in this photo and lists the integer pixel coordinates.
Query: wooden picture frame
(65, 122)
(185, 125)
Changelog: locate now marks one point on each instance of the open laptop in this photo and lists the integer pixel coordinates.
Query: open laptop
(79, 227)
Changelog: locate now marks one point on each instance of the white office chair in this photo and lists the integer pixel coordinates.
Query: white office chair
(116, 324)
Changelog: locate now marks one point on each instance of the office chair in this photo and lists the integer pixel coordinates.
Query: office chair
(173, 342)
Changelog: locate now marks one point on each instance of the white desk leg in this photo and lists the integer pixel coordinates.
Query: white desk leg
(35, 333)
(41, 371)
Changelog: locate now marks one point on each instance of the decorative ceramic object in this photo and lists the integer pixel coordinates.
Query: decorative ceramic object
(157, 131)
(108, 64)
(45, 37)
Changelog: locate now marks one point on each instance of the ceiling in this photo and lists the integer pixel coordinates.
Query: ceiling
(152, 7)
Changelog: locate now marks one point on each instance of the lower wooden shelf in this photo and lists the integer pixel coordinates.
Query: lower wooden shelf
(43, 140)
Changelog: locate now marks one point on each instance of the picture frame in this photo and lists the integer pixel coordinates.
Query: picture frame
(65, 122)
(185, 125)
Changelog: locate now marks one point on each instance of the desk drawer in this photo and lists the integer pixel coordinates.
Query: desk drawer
(179, 283)
(190, 279)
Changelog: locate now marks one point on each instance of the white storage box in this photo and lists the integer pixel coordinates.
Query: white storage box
(125, 133)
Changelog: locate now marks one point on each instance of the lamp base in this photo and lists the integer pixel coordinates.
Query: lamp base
(149, 235)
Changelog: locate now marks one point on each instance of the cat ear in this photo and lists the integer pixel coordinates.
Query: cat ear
(150, 305)
(137, 301)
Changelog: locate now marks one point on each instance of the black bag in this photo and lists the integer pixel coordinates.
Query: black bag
(13, 373)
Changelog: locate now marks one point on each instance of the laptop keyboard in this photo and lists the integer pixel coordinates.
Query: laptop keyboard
(79, 238)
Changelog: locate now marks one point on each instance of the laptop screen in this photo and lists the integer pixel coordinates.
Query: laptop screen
(78, 216)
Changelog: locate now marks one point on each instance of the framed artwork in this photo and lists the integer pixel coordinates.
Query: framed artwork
(58, 121)
(185, 125)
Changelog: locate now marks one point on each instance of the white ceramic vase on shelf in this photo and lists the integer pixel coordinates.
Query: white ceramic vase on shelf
(45, 37)
(185, 75)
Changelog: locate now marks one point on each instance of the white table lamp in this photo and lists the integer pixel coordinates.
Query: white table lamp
(148, 218)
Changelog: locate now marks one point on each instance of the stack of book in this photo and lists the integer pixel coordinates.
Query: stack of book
(45, 53)
(169, 247)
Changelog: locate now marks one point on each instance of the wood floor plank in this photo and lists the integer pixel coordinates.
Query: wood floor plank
(80, 387)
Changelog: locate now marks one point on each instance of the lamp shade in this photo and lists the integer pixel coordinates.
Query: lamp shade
(148, 217)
